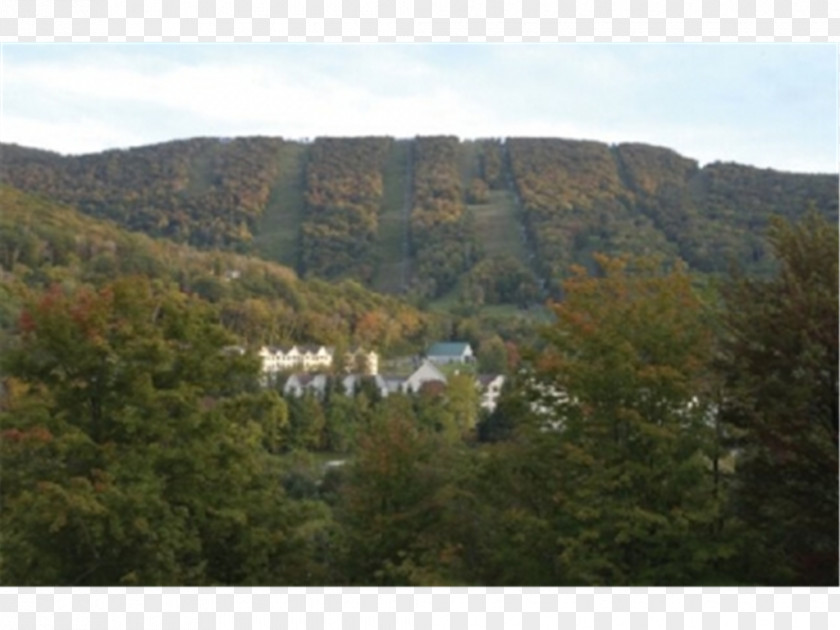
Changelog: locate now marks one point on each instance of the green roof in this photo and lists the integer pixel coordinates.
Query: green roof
(448, 349)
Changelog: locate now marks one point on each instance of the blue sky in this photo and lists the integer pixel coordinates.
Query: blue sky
(767, 105)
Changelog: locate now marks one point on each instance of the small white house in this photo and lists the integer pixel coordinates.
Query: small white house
(350, 384)
(450, 352)
(391, 385)
(270, 358)
(426, 373)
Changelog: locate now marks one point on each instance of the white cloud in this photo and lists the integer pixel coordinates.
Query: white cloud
(77, 99)
(67, 136)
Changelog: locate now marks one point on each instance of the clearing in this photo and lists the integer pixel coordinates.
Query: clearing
(391, 246)
(279, 226)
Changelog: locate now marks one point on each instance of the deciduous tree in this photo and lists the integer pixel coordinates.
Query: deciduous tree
(627, 425)
(780, 362)
(133, 447)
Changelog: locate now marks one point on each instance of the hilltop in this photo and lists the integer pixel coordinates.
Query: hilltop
(481, 221)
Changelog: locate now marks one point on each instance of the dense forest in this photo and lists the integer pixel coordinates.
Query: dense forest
(441, 242)
(205, 192)
(317, 206)
(343, 199)
(43, 244)
(668, 335)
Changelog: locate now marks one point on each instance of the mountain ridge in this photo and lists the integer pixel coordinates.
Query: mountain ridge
(306, 141)
(319, 206)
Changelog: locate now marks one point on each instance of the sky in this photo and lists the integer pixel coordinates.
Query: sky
(771, 106)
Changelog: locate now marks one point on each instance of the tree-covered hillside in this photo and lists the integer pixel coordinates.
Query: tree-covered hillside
(44, 244)
(207, 192)
(538, 204)
(654, 436)
(343, 199)
(719, 213)
(651, 430)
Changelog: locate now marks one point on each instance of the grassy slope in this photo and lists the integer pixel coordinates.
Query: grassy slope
(201, 171)
(496, 224)
(498, 228)
(468, 162)
(500, 233)
(279, 228)
(391, 276)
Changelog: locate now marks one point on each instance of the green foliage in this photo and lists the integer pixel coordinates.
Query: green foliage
(499, 280)
(43, 243)
(305, 430)
(318, 206)
(463, 401)
(202, 191)
(492, 163)
(132, 449)
(575, 204)
(718, 215)
(343, 197)
(780, 362)
(139, 447)
(513, 409)
(478, 192)
(344, 418)
(393, 508)
(442, 243)
(628, 430)
(580, 198)
(492, 356)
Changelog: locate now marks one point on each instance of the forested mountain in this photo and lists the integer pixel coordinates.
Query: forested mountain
(429, 210)
(204, 192)
(653, 429)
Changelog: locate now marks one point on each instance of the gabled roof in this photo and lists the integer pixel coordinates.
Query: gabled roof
(426, 372)
(314, 348)
(278, 350)
(448, 349)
